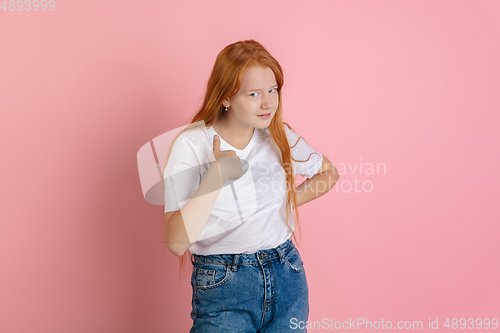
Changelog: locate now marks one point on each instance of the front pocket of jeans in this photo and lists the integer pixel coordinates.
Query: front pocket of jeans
(294, 261)
(212, 276)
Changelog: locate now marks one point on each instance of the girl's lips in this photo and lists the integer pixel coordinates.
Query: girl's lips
(265, 114)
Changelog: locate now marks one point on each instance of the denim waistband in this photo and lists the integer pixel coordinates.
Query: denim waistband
(245, 259)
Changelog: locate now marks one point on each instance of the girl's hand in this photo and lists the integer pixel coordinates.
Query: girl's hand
(229, 162)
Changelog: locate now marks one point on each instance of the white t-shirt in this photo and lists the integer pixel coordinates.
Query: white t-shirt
(249, 213)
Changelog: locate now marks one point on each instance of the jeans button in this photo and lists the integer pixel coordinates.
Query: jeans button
(262, 256)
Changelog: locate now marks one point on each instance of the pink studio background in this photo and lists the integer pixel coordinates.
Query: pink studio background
(411, 85)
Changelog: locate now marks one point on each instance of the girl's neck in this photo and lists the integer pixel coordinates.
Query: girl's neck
(236, 137)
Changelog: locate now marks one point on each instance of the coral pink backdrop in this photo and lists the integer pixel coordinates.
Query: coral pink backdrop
(402, 96)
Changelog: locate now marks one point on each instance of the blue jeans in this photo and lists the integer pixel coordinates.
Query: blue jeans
(262, 292)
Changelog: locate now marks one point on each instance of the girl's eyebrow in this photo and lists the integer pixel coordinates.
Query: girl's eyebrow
(259, 89)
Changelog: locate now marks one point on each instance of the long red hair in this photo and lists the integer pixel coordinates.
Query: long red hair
(225, 81)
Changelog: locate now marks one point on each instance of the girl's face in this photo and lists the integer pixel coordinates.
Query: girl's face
(257, 95)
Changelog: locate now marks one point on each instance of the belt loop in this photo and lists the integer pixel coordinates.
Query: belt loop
(280, 254)
(235, 261)
(192, 255)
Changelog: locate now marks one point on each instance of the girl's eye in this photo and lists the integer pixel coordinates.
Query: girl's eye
(252, 94)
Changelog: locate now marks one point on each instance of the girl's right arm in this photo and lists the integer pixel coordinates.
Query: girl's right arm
(183, 227)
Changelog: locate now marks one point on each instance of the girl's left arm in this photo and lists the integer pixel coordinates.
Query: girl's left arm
(321, 183)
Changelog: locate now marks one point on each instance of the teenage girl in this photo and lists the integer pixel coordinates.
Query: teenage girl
(229, 192)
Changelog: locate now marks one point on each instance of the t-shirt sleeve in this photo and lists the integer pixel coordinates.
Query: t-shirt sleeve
(302, 152)
(182, 174)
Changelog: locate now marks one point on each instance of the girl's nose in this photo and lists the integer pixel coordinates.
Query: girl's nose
(267, 102)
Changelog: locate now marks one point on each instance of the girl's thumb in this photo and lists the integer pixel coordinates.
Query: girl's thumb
(216, 137)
